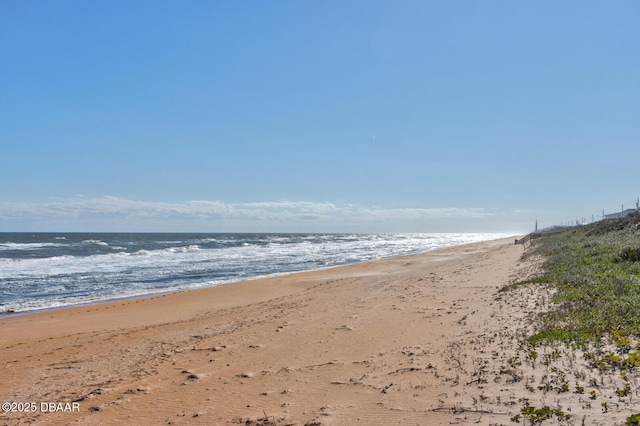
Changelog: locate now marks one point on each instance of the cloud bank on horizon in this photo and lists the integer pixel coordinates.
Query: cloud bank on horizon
(121, 214)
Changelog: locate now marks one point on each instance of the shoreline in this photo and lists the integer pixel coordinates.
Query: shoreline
(416, 339)
(12, 313)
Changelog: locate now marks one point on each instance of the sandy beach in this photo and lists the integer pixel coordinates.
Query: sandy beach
(415, 340)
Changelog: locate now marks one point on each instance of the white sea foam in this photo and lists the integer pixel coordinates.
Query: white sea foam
(98, 242)
(113, 268)
(27, 246)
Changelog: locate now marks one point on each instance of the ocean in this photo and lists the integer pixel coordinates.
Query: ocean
(50, 270)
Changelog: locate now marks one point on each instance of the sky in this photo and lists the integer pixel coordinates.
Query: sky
(317, 116)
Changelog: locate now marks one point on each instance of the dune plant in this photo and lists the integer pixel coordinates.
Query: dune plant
(596, 273)
(634, 419)
(539, 415)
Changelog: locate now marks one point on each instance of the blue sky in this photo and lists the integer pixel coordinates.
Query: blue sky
(328, 116)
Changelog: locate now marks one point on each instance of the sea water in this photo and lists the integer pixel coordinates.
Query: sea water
(48, 270)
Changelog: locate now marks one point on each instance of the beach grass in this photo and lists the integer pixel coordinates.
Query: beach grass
(593, 276)
(595, 272)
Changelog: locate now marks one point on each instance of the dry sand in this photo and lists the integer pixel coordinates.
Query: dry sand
(414, 340)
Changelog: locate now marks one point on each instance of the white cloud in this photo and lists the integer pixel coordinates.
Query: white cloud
(217, 215)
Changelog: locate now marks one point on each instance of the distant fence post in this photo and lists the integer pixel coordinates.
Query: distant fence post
(527, 238)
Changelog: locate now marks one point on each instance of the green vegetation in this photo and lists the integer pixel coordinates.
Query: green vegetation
(589, 332)
(538, 415)
(596, 272)
(633, 419)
